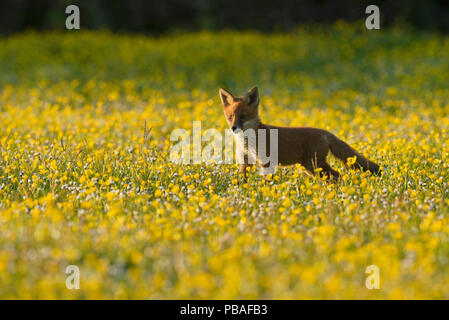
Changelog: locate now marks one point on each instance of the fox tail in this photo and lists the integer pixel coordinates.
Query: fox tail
(343, 151)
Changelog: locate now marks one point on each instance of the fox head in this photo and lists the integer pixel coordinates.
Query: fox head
(241, 112)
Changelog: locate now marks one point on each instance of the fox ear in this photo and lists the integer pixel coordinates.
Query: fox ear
(226, 97)
(253, 96)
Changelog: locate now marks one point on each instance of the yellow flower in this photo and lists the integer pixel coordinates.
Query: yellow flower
(87, 180)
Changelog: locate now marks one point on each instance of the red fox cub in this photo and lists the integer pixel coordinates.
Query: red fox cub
(304, 145)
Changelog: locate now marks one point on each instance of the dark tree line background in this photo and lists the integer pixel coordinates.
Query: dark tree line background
(159, 16)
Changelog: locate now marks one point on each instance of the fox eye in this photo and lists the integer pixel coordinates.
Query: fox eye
(230, 117)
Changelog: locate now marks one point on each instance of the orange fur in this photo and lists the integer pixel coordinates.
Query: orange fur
(304, 145)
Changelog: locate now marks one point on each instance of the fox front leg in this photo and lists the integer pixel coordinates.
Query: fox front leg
(243, 169)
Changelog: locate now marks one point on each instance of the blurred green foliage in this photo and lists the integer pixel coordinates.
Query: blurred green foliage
(298, 61)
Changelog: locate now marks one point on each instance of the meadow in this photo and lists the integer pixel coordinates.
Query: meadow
(86, 179)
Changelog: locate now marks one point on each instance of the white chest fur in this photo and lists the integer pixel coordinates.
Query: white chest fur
(245, 146)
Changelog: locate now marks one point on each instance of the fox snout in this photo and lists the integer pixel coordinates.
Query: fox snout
(236, 128)
(235, 123)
